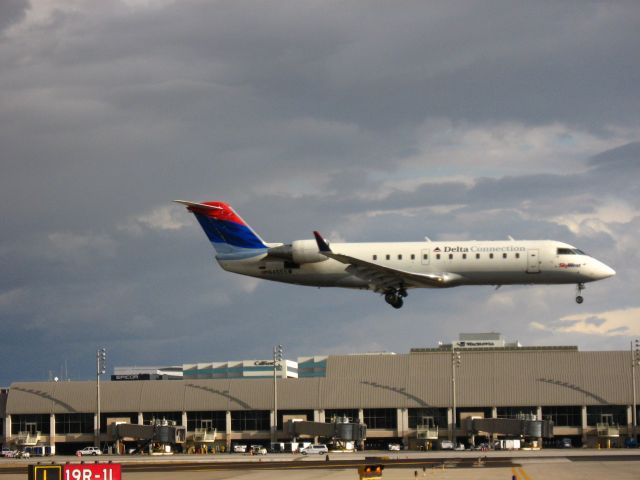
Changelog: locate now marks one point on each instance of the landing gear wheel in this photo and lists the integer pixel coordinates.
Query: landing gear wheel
(579, 288)
(402, 292)
(398, 303)
(390, 298)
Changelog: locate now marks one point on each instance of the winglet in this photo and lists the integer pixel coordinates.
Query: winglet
(323, 246)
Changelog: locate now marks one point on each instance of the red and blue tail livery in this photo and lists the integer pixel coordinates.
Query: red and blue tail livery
(229, 234)
(393, 268)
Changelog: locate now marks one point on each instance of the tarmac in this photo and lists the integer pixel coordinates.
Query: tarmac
(520, 465)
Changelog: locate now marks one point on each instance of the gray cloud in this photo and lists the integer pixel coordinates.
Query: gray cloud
(366, 123)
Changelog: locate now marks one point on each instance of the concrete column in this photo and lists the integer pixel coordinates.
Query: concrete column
(274, 424)
(184, 419)
(630, 421)
(7, 428)
(403, 425)
(361, 420)
(451, 424)
(494, 414)
(96, 430)
(140, 418)
(584, 424)
(539, 417)
(228, 430)
(318, 416)
(52, 431)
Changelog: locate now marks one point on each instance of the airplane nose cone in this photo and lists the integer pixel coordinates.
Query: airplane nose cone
(602, 271)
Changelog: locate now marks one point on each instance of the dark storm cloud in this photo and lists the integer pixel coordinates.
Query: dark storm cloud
(300, 115)
(12, 11)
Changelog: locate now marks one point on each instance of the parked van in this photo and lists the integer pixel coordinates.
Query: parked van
(311, 449)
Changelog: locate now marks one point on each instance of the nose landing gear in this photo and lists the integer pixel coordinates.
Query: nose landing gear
(579, 288)
(394, 297)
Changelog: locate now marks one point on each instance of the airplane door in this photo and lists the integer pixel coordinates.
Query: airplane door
(533, 261)
(424, 257)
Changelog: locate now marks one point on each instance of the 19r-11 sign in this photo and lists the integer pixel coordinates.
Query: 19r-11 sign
(95, 471)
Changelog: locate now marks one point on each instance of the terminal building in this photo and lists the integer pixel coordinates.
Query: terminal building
(587, 394)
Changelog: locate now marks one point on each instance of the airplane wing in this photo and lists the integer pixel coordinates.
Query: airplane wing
(386, 277)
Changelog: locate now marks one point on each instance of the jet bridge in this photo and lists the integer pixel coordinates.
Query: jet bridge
(526, 426)
(340, 430)
(160, 435)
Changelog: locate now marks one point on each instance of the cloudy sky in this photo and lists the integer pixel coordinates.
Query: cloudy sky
(366, 120)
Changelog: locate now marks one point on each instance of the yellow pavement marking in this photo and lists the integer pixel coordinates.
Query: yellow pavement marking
(524, 474)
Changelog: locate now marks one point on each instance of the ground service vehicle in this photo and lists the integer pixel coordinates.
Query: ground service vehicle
(89, 451)
(311, 449)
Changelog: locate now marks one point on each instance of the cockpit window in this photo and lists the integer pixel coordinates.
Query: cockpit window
(570, 251)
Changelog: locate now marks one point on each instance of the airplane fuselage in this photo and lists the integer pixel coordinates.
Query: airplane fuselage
(469, 263)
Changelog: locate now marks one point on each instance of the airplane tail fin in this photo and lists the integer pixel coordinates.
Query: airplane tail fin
(229, 234)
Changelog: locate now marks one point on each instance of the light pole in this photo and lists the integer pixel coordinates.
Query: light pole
(456, 361)
(277, 358)
(101, 366)
(635, 361)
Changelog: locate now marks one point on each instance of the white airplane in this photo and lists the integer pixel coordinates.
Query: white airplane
(393, 268)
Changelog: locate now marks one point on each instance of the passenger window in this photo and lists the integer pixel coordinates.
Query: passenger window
(438, 256)
(399, 257)
(464, 256)
(504, 255)
(425, 256)
(413, 256)
(477, 255)
(517, 255)
(388, 257)
(451, 256)
(491, 255)
(375, 257)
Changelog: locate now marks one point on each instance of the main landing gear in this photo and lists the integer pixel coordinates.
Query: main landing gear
(579, 288)
(394, 297)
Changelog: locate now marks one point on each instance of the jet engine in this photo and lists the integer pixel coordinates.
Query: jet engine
(300, 251)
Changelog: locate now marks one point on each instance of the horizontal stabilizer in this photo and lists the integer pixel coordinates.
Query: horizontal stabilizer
(201, 206)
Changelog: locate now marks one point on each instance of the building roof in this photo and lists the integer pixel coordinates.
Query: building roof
(485, 378)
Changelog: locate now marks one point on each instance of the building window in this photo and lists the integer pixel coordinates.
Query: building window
(563, 416)
(351, 414)
(381, 418)
(420, 416)
(74, 423)
(210, 420)
(249, 420)
(613, 413)
(32, 423)
(375, 257)
(516, 412)
(149, 417)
